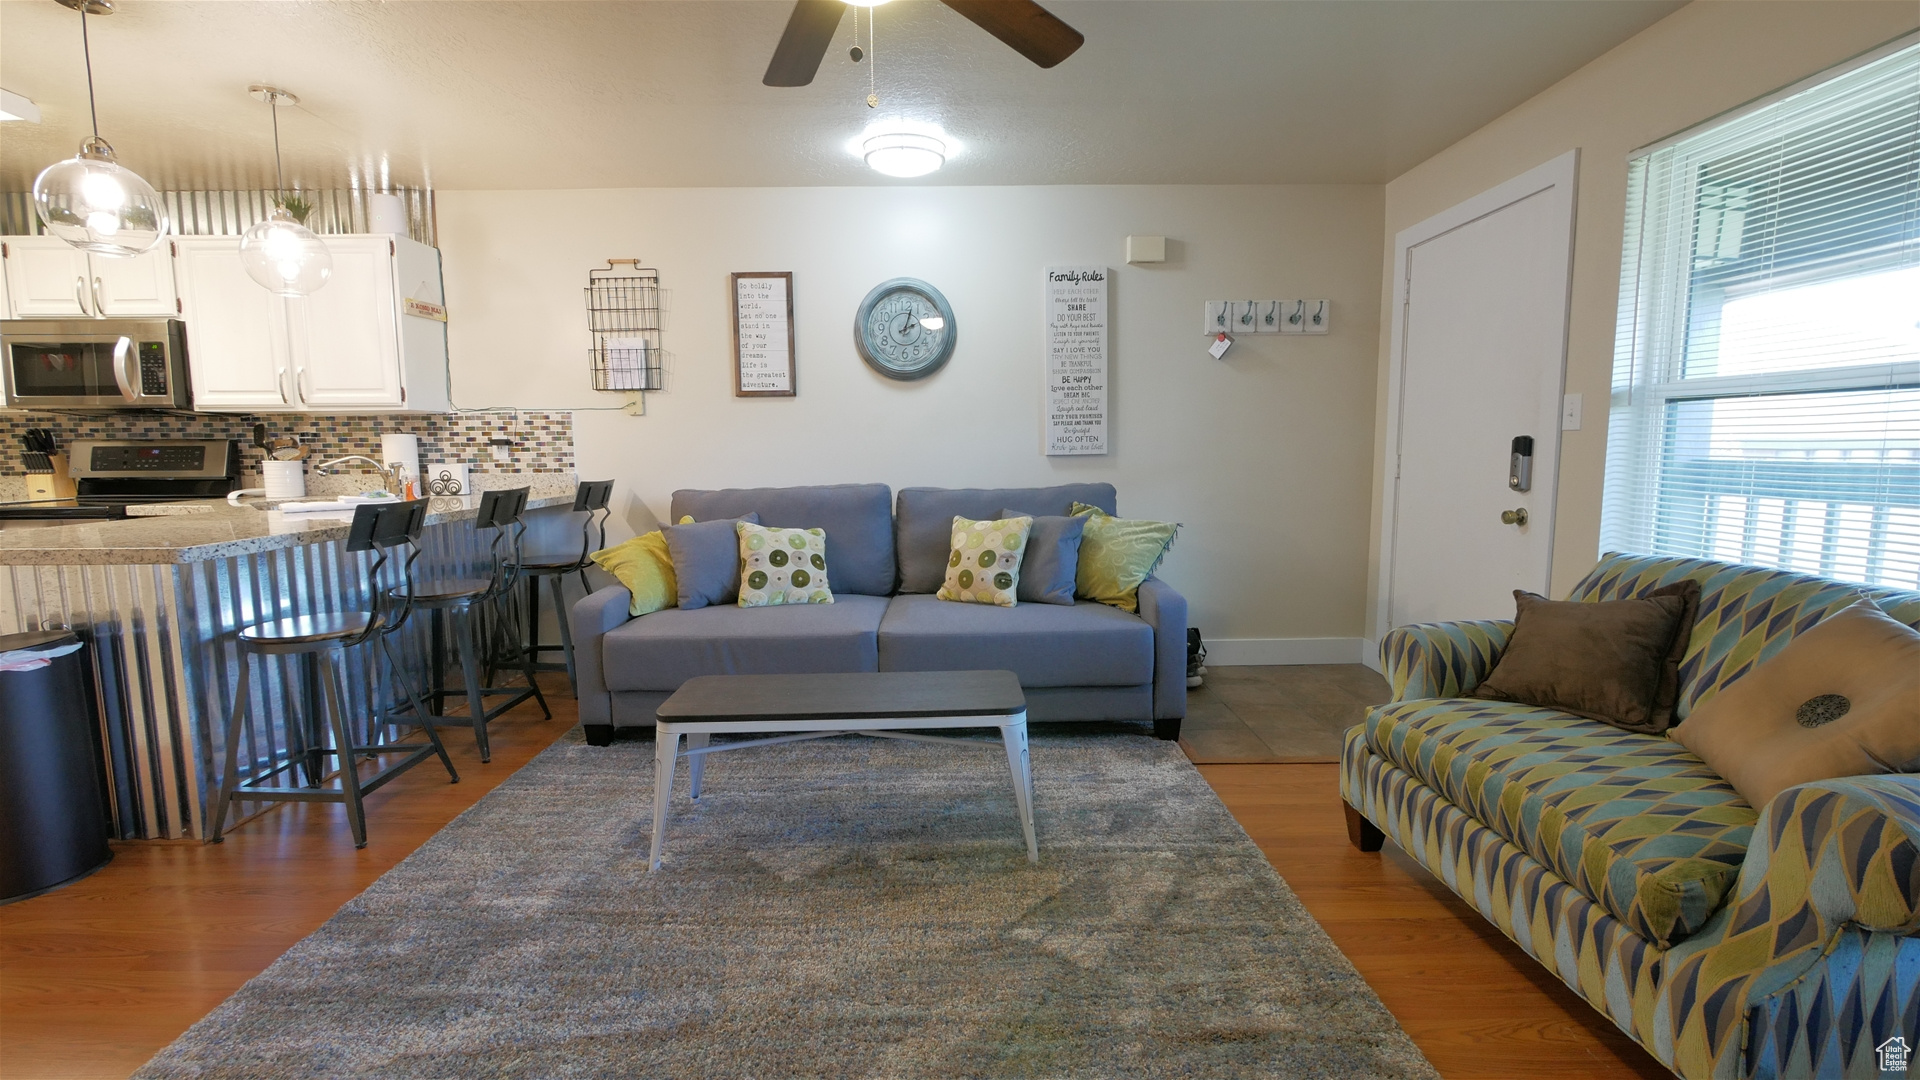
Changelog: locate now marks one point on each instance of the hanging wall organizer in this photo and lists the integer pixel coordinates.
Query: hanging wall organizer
(623, 313)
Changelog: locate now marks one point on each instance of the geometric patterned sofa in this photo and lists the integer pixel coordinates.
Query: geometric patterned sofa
(1729, 940)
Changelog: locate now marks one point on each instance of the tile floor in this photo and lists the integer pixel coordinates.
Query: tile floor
(1277, 714)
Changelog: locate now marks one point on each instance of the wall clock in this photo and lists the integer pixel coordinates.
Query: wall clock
(904, 329)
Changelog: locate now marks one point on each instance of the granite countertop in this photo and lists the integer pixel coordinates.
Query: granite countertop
(216, 530)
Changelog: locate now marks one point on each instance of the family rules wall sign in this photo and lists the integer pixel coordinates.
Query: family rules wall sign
(1076, 360)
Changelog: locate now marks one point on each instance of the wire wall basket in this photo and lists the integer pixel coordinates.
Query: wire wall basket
(623, 312)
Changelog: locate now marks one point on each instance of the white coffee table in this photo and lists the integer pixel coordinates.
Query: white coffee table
(887, 705)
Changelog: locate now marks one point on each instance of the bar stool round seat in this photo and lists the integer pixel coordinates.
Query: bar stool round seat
(309, 629)
(455, 590)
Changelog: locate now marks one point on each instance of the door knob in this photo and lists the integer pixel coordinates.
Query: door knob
(1514, 517)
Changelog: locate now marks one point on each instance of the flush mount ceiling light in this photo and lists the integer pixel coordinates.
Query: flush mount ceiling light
(90, 200)
(281, 253)
(903, 153)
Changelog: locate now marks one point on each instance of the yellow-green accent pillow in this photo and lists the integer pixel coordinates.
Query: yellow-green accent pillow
(983, 566)
(1117, 554)
(782, 566)
(643, 565)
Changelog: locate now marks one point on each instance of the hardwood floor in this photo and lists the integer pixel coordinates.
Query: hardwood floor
(98, 976)
(1475, 1004)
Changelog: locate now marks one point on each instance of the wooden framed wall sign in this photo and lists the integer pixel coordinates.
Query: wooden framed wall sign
(763, 335)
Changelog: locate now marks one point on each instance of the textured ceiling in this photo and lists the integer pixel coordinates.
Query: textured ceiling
(573, 94)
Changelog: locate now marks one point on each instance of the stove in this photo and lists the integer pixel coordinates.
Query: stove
(113, 474)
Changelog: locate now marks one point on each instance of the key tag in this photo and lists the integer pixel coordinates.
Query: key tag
(1220, 346)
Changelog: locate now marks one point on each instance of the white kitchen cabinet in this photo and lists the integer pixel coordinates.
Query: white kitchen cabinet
(349, 347)
(49, 278)
(236, 331)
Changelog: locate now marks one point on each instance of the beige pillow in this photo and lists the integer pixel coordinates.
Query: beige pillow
(1842, 699)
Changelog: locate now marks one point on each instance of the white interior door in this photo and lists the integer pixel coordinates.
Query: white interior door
(1480, 354)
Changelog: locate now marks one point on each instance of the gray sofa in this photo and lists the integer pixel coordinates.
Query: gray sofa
(1084, 662)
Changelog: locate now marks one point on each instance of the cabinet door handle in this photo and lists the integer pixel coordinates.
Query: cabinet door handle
(305, 391)
(80, 294)
(99, 308)
(280, 380)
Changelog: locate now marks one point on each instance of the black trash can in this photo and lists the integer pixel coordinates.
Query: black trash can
(53, 817)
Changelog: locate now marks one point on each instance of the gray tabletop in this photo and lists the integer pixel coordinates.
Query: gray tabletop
(845, 696)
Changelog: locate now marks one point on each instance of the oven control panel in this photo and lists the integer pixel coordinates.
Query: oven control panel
(157, 458)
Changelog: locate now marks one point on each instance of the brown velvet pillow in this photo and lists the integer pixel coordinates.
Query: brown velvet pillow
(1616, 661)
(1841, 699)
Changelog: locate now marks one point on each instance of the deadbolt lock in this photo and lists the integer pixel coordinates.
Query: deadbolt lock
(1514, 517)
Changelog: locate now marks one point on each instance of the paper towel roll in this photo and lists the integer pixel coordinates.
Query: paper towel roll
(404, 451)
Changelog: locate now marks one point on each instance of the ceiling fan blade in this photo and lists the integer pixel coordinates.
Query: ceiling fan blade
(809, 32)
(1033, 31)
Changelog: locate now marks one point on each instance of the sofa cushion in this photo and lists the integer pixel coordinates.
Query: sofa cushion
(1053, 558)
(1045, 644)
(923, 527)
(857, 518)
(1747, 613)
(1635, 822)
(662, 650)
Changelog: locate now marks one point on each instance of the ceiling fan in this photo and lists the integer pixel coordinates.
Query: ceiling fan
(1032, 30)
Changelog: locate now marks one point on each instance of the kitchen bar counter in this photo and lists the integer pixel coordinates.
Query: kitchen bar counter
(158, 600)
(218, 530)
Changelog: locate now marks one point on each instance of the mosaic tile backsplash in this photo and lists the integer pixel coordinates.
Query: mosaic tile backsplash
(542, 441)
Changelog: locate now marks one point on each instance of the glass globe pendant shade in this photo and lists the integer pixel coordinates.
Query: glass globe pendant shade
(93, 203)
(285, 256)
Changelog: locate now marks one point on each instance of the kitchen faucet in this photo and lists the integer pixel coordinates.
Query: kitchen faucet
(389, 478)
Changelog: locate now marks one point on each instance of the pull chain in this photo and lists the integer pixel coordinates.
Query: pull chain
(873, 60)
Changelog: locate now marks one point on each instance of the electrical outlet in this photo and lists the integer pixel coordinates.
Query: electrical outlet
(1216, 318)
(502, 449)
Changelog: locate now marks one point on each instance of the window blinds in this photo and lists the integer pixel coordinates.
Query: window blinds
(1766, 392)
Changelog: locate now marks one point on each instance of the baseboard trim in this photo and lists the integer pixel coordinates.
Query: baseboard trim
(1243, 652)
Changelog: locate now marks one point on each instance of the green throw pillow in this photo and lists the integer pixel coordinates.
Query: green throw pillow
(644, 567)
(1117, 554)
(782, 566)
(983, 566)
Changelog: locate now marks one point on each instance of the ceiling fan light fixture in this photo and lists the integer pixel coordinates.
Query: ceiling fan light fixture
(904, 154)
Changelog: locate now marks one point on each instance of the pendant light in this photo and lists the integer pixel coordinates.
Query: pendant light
(90, 200)
(280, 252)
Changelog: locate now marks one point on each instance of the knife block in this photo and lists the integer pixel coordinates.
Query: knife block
(47, 487)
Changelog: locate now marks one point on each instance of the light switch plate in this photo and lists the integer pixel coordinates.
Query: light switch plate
(1216, 317)
(1266, 316)
(1318, 315)
(1570, 408)
(1240, 316)
(1293, 316)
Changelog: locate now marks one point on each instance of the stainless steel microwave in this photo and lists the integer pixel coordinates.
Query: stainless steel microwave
(95, 365)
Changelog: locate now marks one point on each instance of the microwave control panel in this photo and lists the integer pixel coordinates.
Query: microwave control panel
(153, 369)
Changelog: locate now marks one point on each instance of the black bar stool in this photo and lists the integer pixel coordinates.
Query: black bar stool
(320, 640)
(590, 498)
(482, 620)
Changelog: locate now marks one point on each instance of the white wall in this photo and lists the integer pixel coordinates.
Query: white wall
(1700, 61)
(1264, 457)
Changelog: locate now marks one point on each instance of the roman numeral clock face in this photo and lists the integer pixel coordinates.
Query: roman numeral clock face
(904, 329)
